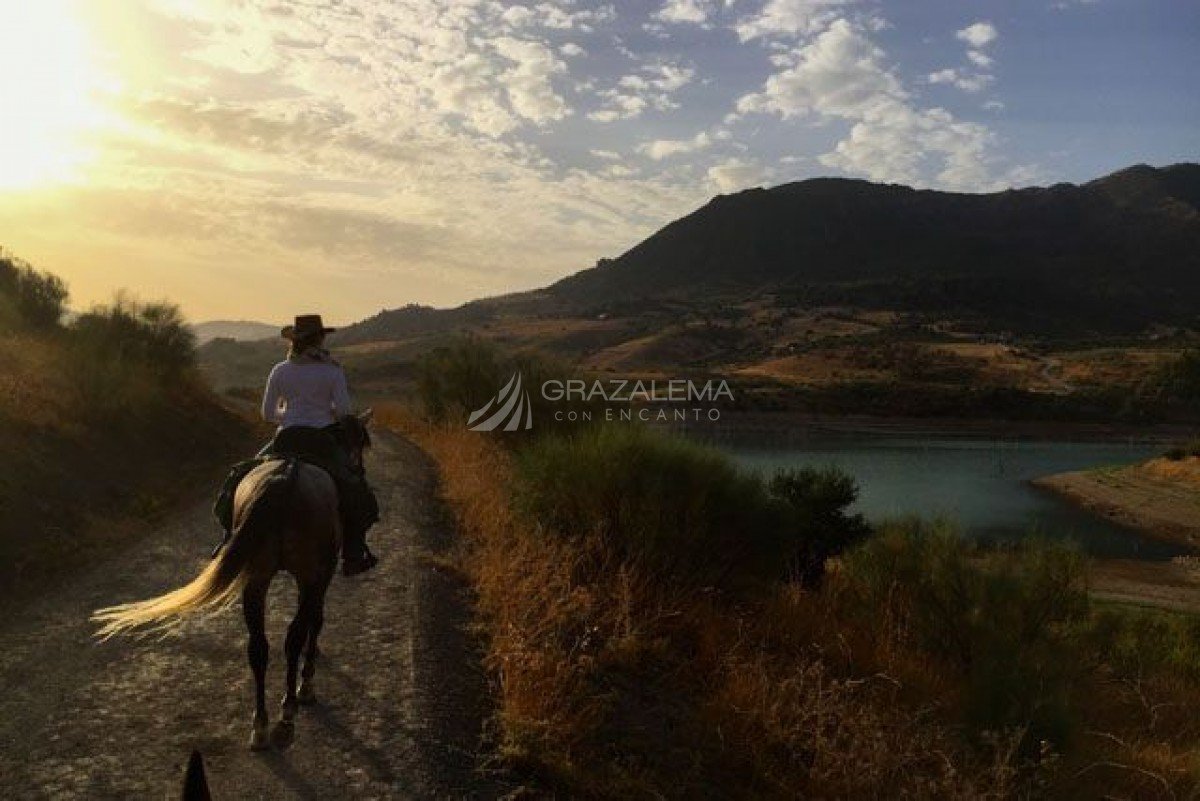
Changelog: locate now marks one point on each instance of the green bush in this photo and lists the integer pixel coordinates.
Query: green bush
(153, 334)
(686, 510)
(1009, 620)
(123, 355)
(1175, 383)
(1135, 643)
(458, 378)
(818, 500)
(29, 299)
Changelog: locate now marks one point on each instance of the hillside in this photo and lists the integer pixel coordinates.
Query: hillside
(842, 296)
(106, 426)
(1112, 256)
(240, 330)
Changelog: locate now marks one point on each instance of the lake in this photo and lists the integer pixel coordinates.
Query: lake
(980, 483)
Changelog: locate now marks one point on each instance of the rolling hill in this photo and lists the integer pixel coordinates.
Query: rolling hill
(841, 296)
(1114, 255)
(240, 330)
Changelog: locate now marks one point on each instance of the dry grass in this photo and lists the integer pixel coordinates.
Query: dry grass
(34, 389)
(98, 450)
(615, 684)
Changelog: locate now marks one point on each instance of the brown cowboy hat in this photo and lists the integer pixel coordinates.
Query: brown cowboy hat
(306, 325)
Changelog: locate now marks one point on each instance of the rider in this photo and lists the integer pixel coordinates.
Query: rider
(307, 395)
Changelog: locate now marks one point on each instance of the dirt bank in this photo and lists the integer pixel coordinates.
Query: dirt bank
(1160, 497)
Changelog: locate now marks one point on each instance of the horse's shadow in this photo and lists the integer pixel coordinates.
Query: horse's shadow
(327, 717)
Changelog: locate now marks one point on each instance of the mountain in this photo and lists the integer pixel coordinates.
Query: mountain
(1118, 253)
(1115, 255)
(240, 330)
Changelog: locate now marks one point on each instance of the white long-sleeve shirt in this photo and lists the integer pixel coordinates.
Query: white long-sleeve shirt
(305, 392)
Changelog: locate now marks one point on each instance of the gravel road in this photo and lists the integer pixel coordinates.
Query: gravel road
(402, 696)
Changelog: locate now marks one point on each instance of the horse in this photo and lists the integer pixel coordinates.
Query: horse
(285, 518)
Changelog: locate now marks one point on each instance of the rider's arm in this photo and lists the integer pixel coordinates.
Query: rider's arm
(341, 394)
(270, 401)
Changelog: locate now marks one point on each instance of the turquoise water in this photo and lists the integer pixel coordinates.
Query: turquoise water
(981, 484)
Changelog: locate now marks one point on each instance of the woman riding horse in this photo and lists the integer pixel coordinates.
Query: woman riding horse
(286, 515)
(306, 394)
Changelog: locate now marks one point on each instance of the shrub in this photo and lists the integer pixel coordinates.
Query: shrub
(1175, 383)
(1008, 620)
(684, 509)
(154, 334)
(819, 500)
(29, 299)
(122, 355)
(1137, 643)
(458, 378)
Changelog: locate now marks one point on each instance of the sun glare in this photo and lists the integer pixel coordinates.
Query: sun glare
(47, 106)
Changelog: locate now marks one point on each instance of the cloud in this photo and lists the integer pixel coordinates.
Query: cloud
(635, 93)
(842, 74)
(979, 34)
(980, 59)
(734, 174)
(684, 11)
(660, 149)
(787, 17)
(528, 83)
(839, 74)
(967, 82)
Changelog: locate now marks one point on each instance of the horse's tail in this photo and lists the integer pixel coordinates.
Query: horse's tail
(220, 583)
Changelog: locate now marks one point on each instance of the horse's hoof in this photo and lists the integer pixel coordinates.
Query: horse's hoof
(306, 696)
(288, 711)
(259, 741)
(283, 734)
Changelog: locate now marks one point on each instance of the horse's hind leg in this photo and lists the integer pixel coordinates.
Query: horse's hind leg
(297, 636)
(306, 694)
(254, 609)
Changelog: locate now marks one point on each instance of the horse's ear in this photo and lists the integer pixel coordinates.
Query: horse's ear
(366, 416)
(195, 783)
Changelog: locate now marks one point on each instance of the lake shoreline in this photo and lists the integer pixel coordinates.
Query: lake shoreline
(736, 423)
(1158, 498)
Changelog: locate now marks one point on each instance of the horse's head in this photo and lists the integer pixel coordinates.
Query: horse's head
(356, 435)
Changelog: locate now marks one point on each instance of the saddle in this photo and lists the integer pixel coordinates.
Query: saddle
(320, 448)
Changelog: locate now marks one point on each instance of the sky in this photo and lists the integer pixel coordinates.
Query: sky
(255, 159)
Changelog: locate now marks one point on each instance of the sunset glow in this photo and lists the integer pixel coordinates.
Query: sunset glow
(250, 158)
(46, 86)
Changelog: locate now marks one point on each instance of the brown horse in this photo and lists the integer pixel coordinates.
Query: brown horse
(285, 518)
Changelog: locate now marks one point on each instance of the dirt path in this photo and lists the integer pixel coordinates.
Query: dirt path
(401, 694)
(1166, 585)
